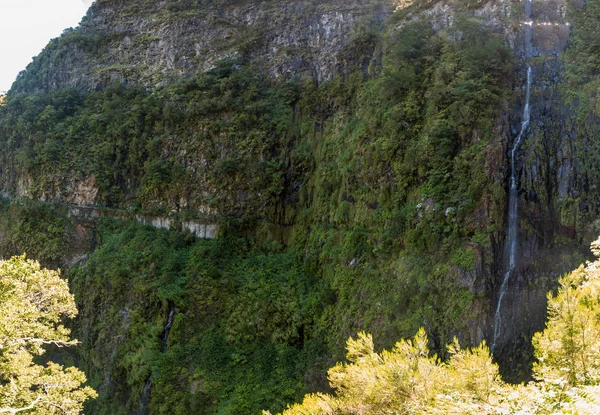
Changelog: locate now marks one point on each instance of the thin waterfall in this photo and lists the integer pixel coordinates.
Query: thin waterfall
(145, 399)
(167, 329)
(164, 341)
(513, 197)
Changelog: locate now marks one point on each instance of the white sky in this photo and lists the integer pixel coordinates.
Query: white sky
(26, 26)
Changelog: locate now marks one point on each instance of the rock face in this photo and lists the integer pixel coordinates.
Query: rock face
(85, 192)
(548, 177)
(150, 43)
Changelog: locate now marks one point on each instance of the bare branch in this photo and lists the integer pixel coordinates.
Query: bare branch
(58, 343)
(63, 410)
(25, 408)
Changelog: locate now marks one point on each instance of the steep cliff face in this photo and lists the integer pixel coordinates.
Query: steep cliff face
(145, 45)
(552, 228)
(557, 207)
(354, 155)
(151, 43)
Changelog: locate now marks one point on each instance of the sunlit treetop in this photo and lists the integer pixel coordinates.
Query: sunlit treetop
(35, 303)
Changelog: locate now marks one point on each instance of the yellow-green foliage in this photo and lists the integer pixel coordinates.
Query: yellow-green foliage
(569, 348)
(34, 303)
(408, 380)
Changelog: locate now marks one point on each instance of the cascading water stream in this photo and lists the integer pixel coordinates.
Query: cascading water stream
(167, 329)
(145, 398)
(513, 212)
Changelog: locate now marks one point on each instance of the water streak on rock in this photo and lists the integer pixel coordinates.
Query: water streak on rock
(145, 398)
(513, 197)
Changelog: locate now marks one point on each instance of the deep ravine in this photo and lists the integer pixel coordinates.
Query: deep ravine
(513, 211)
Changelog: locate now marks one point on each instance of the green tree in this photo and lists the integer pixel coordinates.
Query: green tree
(35, 303)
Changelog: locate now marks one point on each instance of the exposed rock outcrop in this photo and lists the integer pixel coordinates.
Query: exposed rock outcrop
(150, 43)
